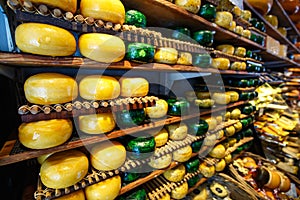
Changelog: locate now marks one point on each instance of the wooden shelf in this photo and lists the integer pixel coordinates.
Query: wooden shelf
(162, 13)
(274, 61)
(44, 62)
(271, 31)
(8, 157)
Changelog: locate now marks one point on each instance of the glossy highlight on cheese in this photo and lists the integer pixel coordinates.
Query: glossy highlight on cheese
(64, 169)
(106, 10)
(44, 39)
(50, 88)
(134, 86)
(97, 87)
(102, 47)
(97, 123)
(109, 155)
(45, 134)
(104, 190)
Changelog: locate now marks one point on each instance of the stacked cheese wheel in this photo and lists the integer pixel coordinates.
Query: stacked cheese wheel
(57, 88)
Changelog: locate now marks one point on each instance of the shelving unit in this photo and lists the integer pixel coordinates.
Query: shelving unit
(163, 14)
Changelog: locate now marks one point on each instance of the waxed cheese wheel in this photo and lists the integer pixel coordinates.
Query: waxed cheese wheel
(105, 190)
(64, 169)
(106, 10)
(97, 87)
(78, 195)
(161, 137)
(159, 110)
(160, 162)
(50, 88)
(166, 55)
(224, 19)
(134, 86)
(45, 134)
(97, 123)
(175, 174)
(44, 39)
(101, 47)
(221, 63)
(177, 131)
(183, 154)
(108, 155)
(65, 5)
(180, 191)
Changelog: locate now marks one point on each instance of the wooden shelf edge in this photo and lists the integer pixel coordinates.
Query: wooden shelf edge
(6, 158)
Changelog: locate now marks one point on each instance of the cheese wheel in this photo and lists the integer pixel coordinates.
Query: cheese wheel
(96, 87)
(108, 155)
(160, 162)
(105, 190)
(44, 39)
(207, 170)
(176, 174)
(218, 151)
(64, 169)
(78, 195)
(177, 131)
(221, 63)
(97, 123)
(166, 55)
(161, 137)
(65, 5)
(50, 88)
(134, 86)
(107, 10)
(226, 48)
(101, 47)
(159, 110)
(183, 154)
(221, 98)
(45, 134)
(180, 191)
(224, 19)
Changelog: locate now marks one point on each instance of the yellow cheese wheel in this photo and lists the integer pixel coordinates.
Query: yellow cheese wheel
(180, 192)
(107, 10)
(234, 96)
(44, 39)
(221, 63)
(66, 5)
(207, 170)
(226, 48)
(224, 19)
(45, 134)
(240, 51)
(221, 98)
(105, 190)
(97, 87)
(211, 121)
(134, 86)
(239, 30)
(161, 137)
(64, 169)
(50, 88)
(218, 151)
(220, 166)
(160, 162)
(183, 154)
(176, 174)
(78, 195)
(159, 110)
(97, 123)
(185, 58)
(232, 26)
(108, 155)
(166, 55)
(177, 131)
(101, 47)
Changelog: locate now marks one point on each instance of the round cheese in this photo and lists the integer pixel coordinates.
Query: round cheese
(64, 169)
(134, 86)
(50, 88)
(97, 87)
(44, 39)
(45, 134)
(108, 155)
(97, 123)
